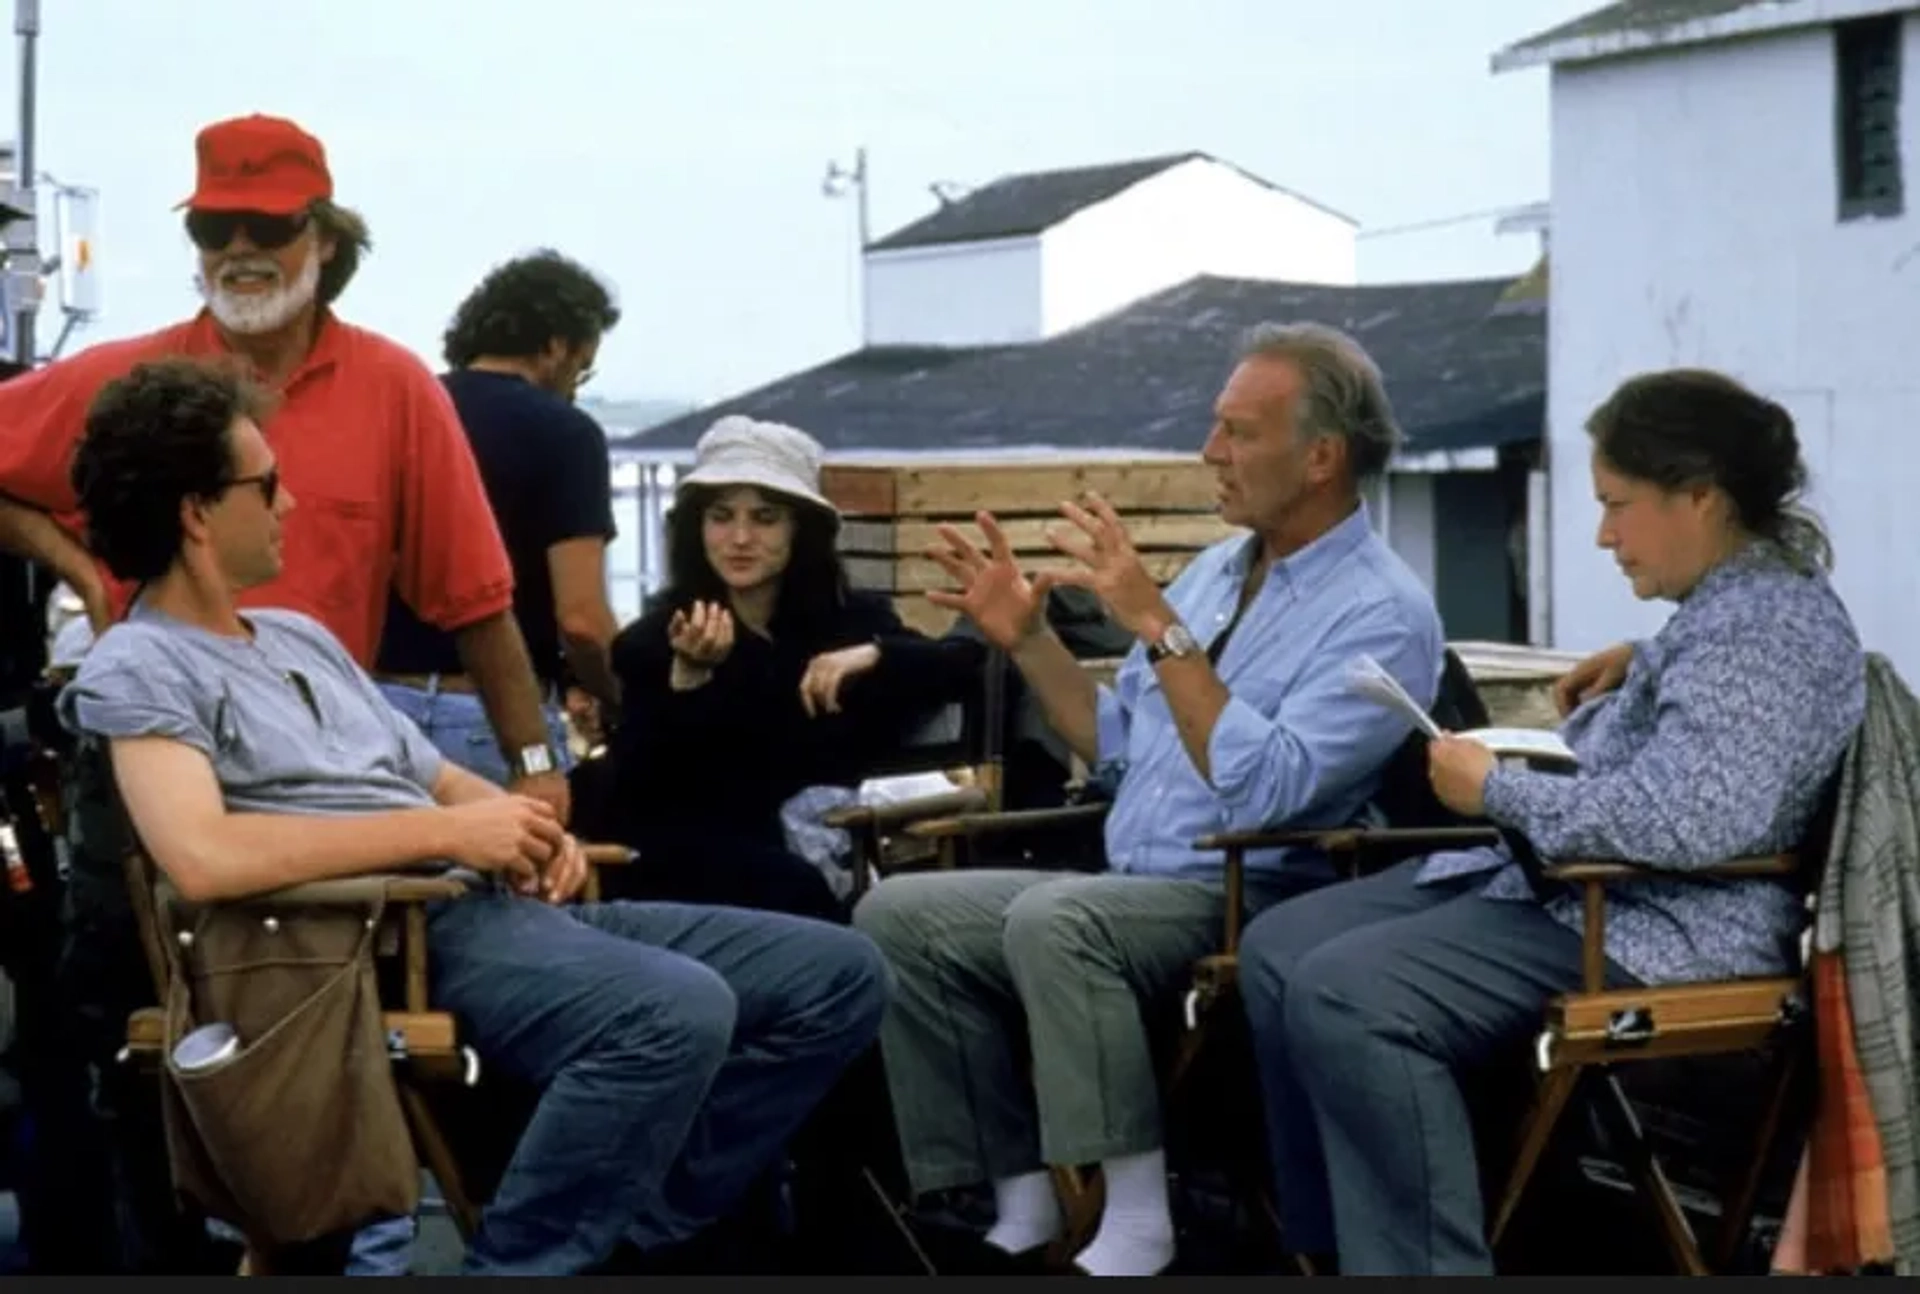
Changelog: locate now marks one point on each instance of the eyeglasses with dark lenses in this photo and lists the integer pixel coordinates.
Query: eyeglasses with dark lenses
(268, 481)
(213, 231)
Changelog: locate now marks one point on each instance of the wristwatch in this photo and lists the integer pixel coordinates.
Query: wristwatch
(1178, 640)
(532, 761)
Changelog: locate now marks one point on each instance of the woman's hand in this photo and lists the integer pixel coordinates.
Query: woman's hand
(826, 673)
(1458, 768)
(1597, 675)
(701, 634)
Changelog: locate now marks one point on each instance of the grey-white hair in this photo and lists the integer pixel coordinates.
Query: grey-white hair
(1344, 394)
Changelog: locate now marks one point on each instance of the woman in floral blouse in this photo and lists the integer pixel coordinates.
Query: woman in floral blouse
(1369, 1001)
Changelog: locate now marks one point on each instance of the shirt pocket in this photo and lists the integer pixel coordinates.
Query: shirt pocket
(335, 555)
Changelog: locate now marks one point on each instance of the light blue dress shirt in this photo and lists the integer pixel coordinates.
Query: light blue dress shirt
(1295, 745)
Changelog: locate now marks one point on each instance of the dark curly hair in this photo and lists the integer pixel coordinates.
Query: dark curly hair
(1686, 426)
(156, 437)
(813, 588)
(525, 304)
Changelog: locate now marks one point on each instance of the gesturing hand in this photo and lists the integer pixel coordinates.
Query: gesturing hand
(702, 634)
(1001, 602)
(828, 672)
(1110, 567)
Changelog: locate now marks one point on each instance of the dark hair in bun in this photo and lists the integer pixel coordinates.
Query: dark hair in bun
(1687, 426)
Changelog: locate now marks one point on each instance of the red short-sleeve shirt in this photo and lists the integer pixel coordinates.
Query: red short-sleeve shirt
(386, 491)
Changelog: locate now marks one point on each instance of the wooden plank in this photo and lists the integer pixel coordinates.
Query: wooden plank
(1152, 530)
(918, 574)
(961, 489)
(918, 614)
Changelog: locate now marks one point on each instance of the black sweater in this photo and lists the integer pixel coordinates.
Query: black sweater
(719, 760)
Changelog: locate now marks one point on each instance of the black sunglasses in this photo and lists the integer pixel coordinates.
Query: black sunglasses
(268, 481)
(213, 231)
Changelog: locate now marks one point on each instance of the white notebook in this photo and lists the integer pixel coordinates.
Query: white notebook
(1370, 678)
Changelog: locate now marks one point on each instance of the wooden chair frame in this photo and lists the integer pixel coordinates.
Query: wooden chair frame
(424, 1043)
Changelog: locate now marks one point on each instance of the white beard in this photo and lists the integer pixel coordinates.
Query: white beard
(261, 312)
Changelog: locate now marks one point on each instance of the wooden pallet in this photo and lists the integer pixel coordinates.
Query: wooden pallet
(893, 511)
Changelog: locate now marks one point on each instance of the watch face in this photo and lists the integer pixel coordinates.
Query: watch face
(535, 760)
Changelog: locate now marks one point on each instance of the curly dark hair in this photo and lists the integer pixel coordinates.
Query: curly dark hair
(156, 437)
(524, 305)
(813, 588)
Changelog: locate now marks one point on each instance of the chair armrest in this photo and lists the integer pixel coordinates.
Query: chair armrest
(970, 799)
(1591, 870)
(974, 825)
(1338, 838)
(608, 855)
(1592, 876)
(355, 891)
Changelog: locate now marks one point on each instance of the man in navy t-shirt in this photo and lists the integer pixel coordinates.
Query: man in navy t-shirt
(519, 347)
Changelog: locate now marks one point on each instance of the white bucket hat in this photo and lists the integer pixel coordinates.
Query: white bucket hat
(738, 450)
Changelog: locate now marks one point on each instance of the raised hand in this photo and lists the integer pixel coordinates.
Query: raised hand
(1110, 567)
(1001, 601)
(702, 634)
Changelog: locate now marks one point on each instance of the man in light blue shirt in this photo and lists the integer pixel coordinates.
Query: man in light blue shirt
(1232, 712)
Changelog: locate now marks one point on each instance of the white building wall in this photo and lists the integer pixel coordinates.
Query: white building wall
(958, 294)
(1409, 528)
(1201, 217)
(1695, 222)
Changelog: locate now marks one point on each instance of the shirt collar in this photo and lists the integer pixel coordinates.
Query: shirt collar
(329, 344)
(1308, 567)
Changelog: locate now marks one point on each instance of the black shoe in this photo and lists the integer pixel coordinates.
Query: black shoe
(965, 1253)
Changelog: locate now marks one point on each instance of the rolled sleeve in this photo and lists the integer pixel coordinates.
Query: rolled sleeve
(1112, 721)
(1237, 753)
(117, 698)
(1324, 739)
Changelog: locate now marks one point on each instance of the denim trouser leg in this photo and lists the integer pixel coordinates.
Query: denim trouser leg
(456, 723)
(676, 1049)
(383, 1248)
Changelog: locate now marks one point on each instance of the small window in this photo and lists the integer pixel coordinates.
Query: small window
(1867, 86)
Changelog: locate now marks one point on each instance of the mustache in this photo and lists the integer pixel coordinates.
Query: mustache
(263, 265)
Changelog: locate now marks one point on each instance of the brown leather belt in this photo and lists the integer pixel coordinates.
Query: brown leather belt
(461, 683)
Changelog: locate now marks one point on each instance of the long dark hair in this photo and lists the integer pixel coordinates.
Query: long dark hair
(813, 588)
(1688, 426)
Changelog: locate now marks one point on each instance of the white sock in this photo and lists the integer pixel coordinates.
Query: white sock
(1136, 1226)
(1027, 1212)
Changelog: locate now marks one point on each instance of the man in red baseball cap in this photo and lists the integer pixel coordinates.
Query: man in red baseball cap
(391, 502)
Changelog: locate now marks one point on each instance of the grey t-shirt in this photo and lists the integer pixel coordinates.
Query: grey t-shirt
(289, 721)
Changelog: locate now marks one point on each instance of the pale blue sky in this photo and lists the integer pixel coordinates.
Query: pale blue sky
(677, 146)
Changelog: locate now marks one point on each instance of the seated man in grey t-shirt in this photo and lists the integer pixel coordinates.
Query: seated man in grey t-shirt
(675, 1048)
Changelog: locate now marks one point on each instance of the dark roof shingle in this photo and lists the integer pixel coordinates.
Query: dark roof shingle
(1462, 369)
(1017, 205)
(1637, 24)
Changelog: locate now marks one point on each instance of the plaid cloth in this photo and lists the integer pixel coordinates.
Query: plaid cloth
(1860, 1187)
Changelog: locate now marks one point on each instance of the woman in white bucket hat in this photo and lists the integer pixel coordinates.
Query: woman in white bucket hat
(755, 674)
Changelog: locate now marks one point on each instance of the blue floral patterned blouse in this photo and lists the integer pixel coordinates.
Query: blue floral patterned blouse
(1719, 744)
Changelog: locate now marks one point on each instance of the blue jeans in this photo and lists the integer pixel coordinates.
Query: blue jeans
(456, 723)
(676, 1049)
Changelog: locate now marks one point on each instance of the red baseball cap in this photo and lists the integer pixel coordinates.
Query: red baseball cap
(259, 163)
